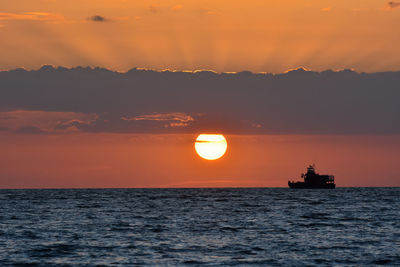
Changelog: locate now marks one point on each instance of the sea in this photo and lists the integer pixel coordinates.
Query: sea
(200, 227)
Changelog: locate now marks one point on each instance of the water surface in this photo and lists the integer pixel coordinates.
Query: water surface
(258, 226)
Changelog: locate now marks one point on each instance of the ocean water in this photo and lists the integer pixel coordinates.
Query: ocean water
(217, 227)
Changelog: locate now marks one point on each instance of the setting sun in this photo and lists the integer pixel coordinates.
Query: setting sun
(210, 146)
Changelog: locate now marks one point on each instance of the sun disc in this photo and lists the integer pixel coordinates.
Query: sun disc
(210, 146)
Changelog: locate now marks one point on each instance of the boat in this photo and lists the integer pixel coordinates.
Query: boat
(314, 180)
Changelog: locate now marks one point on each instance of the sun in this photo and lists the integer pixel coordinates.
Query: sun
(210, 146)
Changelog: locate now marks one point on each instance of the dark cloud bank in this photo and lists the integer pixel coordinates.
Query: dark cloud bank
(145, 101)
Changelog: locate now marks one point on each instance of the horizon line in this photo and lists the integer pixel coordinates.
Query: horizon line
(223, 187)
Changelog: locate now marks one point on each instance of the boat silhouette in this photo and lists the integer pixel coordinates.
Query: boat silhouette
(314, 180)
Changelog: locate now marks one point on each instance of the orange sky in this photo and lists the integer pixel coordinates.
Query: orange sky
(256, 35)
(220, 35)
(116, 160)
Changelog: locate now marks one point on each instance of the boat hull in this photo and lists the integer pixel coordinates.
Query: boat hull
(302, 185)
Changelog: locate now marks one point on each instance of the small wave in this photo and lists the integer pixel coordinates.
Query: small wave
(315, 224)
(52, 250)
(229, 229)
(382, 261)
(221, 200)
(315, 215)
(29, 234)
(193, 262)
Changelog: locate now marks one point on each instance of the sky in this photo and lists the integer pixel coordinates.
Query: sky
(131, 160)
(113, 93)
(224, 36)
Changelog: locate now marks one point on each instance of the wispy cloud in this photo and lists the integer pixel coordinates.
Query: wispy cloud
(174, 119)
(154, 8)
(98, 18)
(393, 4)
(207, 12)
(36, 16)
(174, 116)
(177, 7)
(30, 130)
(39, 122)
(360, 9)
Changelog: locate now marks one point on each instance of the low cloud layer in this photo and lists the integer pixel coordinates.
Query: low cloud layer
(58, 100)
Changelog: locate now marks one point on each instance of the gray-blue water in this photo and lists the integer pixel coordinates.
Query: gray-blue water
(259, 226)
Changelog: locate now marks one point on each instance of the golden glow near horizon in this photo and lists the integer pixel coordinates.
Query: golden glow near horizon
(211, 146)
(225, 36)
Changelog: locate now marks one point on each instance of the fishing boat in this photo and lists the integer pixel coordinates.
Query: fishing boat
(314, 180)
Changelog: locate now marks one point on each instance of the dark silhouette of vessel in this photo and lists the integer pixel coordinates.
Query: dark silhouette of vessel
(314, 180)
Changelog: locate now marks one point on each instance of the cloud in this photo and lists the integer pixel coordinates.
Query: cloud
(360, 9)
(299, 101)
(30, 121)
(36, 16)
(174, 119)
(177, 7)
(326, 9)
(29, 130)
(207, 11)
(393, 4)
(98, 18)
(73, 125)
(175, 116)
(154, 8)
